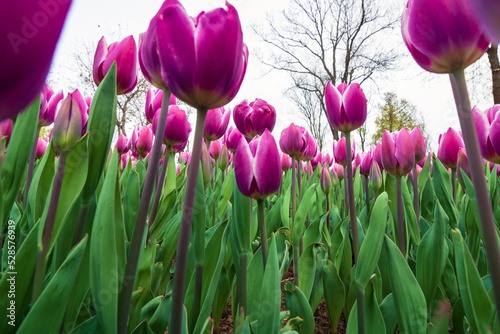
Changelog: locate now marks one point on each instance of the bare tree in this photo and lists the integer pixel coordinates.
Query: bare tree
(316, 41)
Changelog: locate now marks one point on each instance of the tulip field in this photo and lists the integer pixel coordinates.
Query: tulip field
(249, 230)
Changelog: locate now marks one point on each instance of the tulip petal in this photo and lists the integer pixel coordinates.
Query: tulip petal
(100, 55)
(405, 153)
(495, 137)
(333, 101)
(355, 105)
(243, 171)
(267, 166)
(388, 152)
(125, 55)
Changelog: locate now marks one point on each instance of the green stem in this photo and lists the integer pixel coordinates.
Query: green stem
(367, 195)
(401, 226)
(416, 198)
(47, 229)
(360, 298)
(294, 209)
(242, 286)
(215, 198)
(352, 204)
(125, 297)
(454, 184)
(31, 167)
(328, 223)
(185, 229)
(263, 232)
(346, 192)
(159, 188)
(80, 225)
(476, 166)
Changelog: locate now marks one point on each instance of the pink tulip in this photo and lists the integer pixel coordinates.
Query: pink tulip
(488, 132)
(346, 106)
(252, 119)
(325, 181)
(179, 148)
(203, 59)
(185, 157)
(318, 159)
(41, 147)
(71, 113)
(366, 163)
(293, 140)
(442, 35)
(215, 149)
(327, 160)
(377, 155)
(125, 55)
(30, 30)
(487, 13)
(286, 162)
(142, 140)
(463, 164)
(449, 145)
(340, 154)
(339, 170)
(232, 138)
(123, 144)
(153, 103)
(375, 176)
(419, 144)
(257, 167)
(311, 148)
(177, 128)
(6, 130)
(216, 123)
(49, 107)
(398, 156)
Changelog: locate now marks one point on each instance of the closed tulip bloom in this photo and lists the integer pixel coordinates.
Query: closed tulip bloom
(327, 160)
(215, 149)
(375, 176)
(346, 106)
(377, 155)
(257, 166)
(177, 128)
(487, 13)
(419, 144)
(492, 168)
(185, 157)
(48, 113)
(325, 181)
(286, 162)
(41, 147)
(142, 139)
(68, 123)
(224, 157)
(488, 132)
(339, 150)
(443, 35)
(122, 144)
(6, 130)
(29, 33)
(252, 119)
(449, 145)
(153, 103)
(179, 148)
(293, 140)
(366, 163)
(203, 59)
(125, 55)
(463, 164)
(398, 156)
(311, 149)
(318, 159)
(339, 170)
(216, 123)
(334, 177)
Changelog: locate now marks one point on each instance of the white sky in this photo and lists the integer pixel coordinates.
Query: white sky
(89, 20)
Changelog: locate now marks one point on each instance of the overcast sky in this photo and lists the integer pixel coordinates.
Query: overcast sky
(89, 20)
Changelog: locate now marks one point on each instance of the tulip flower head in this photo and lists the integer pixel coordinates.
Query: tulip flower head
(419, 144)
(488, 132)
(286, 162)
(215, 149)
(443, 35)
(463, 164)
(41, 147)
(125, 55)
(216, 123)
(318, 159)
(68, 123)
(339, 170)
(185, 157)
(179, 148)
(142, 140)
(449, 145)
(346, 106)
(153, 103)
(327, 160)
(487, 13)
(257, 167)
(339, 150)
(375, 176)
(325, 181)
(5, 131)
(334, 177)
(293, 140)
(203, 59)
(177, 128)
(311, 149)
(366, 163)
(252, 119)
(225, 157)
(122, 144)
(48, 109)
(398, 156)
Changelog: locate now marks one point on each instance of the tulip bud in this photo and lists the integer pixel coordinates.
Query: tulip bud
(5, 131)
(48, 111)
(325, 181)
(375, 177)
(339, 169)
(346, 106)
(293, 140)
(316, 160)
(419, 144)
(216, 123)
(233, 137)
(286, 162)
(449, 145)
(311, 148)
(253, 119)
(224, 159)
(365, 164)
(177, 127)
(142, 140)
(377, 155)
(398, 156)
(340, 151)
(215, 149)
(41, 147)
(463, 164)
(334, 177)
(68, 123)
(122, 144)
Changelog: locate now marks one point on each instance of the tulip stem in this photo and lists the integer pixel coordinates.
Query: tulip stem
(185, 229)
(263, 231)
(367, 196)
(80, 225)
(328, 223)
(476, 165)
(294, 209)
(47, 229)
(140, 222)
(31, 167)
(214, 198)
(159, 188)
(350, 193)
(346, 193)
(242, 287)
(454, 184)
(401, 226)
(416, 198)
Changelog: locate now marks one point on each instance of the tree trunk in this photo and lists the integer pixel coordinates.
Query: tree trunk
(495, 72)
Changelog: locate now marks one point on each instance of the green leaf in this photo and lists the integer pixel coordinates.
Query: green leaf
(198, 222)
(409, 299)
(101, 126)
(409, 214)
(374, 321)
(285, 208)
(371, 248)
(131, 198)
(334, 293)
(55, 296)
(240, 223)
(307, 269)
(388, 310)
(308, 200)
(226, 192)
(443, 189)
(298, 305)
(15, 162)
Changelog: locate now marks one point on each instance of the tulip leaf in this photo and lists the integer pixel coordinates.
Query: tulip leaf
(307, 269)
(240, 223)
(308, 200)
(388, 310)
(442, 187)
(131, 199)
(374, 321)
(101, 126)
(477, 305)
(285, 207)
(198, 222)
(409, 300)
(226, 192)
(15, 163)
(371, 248)
(55, 296)
(409, 214)
(334, 293)
(107, 248)
(298, 306)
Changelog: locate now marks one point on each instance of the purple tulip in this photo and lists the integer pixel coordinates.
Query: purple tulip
(311, 149)
(41, 147)
(215, 149)
(216, 123)
(346, 106)
(339, 170)
(125, 55)
(419, 144)
(257, 166)
(334, 177)
(142, 140)
(463, 164)
(398, 156)
(233, 137)
(339, 150)
(179, 148)
(5, 130)
(327, 160)
(68, 122)
(318, 159)
(185, 157)
(366, 163)
(252, 119)
(177, 128)
(377, 155)
(488, 132)
(492, 166)
(203, 59)
(375, 176)
(325, 181)
(30, 30)
(286, 162)
(293, 140)
(123, 144)
(487, 13)
(48, 113)
(442, 35)
(449, 145)
(153, 103)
